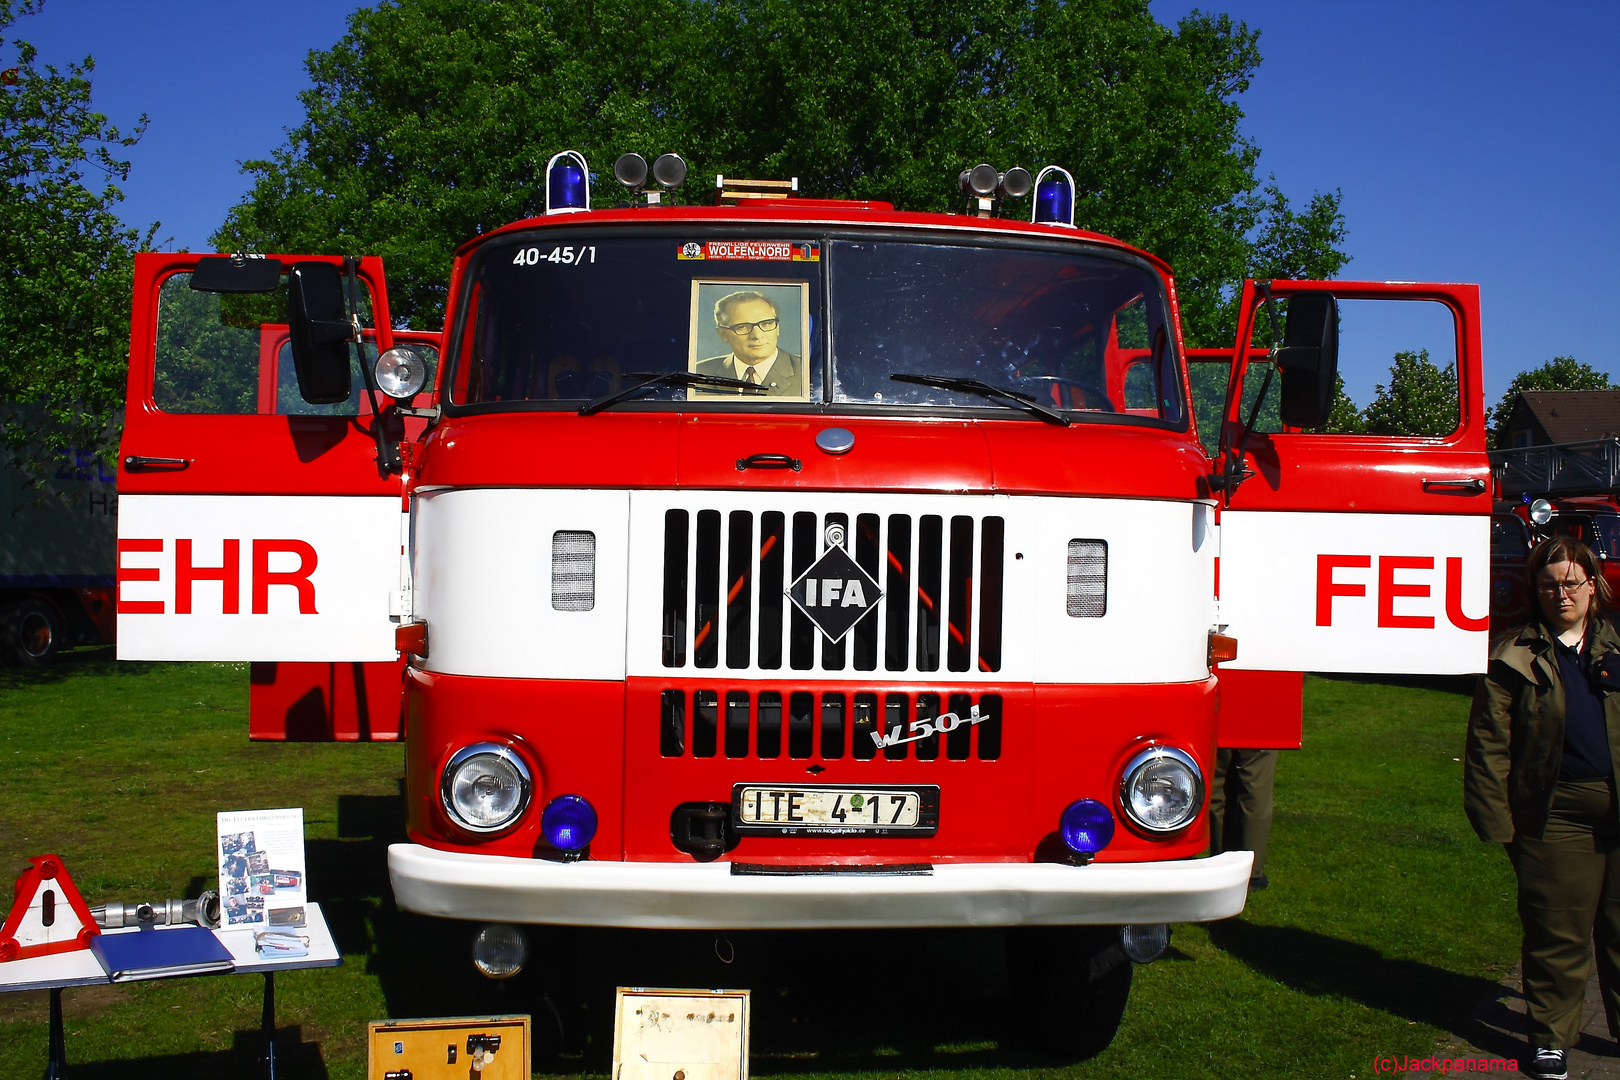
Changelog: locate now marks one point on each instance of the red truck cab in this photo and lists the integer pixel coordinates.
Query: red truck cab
(798, 563)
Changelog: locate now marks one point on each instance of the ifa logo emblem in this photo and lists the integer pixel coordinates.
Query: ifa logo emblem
(835, 593)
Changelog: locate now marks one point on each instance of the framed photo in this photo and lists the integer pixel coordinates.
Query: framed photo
(752, 329)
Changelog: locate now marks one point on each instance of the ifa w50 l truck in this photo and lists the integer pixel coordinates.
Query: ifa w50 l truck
(797, 563)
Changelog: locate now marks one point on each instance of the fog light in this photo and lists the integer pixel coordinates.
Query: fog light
(1162, 789)
(568, 823)
(400, 372)
(1144, 942)
(485, 787)
(499, 950)
(1086, 826)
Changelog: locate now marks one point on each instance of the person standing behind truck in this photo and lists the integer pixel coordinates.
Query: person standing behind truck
(1540, 779)
(1240, 801)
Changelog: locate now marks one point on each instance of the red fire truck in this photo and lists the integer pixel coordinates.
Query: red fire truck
(797, 563)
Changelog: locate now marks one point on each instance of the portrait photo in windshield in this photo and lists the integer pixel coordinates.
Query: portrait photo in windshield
(584, 318)
(754, 331)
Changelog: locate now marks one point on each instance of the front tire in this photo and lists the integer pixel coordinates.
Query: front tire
(1070, 985)
(30, 633)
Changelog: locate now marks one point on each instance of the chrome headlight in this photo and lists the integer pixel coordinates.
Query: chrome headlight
(1162, 789)
(485, 787)
(400, 372)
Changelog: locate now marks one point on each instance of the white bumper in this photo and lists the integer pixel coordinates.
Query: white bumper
(707, 896)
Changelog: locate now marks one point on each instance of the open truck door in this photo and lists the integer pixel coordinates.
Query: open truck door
(260, 512)
(1352, 552)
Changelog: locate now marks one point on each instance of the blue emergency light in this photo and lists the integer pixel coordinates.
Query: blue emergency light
(1054, 197)
(1086, 826)
(568, 823)
(568, 185)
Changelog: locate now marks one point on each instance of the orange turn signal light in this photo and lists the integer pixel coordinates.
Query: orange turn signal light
(1221, 648)
(412, 638)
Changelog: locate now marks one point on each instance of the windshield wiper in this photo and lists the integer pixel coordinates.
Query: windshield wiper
(645, 380)
(1011, 398)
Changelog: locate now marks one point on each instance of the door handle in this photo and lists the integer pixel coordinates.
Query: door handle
(1466, 485)
(769, 461)
(136, 463)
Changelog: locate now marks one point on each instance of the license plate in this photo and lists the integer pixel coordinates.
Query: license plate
(875, 810)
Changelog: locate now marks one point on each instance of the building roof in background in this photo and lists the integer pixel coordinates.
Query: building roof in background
(1569, 416)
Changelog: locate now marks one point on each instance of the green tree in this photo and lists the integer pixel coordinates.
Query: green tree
(431, 120)
(1421, 398)
(1559, 373)
(65, 292)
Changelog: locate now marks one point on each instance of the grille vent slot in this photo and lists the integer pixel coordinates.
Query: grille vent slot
(573, 570)
(725, 606)
(827, 726)
(1088, 579)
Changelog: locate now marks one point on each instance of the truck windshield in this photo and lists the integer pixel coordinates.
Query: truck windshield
(826, 322)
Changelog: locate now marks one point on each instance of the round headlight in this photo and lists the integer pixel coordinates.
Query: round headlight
(401, 372)
(499, 950)
(485, 787)
(1162, 789)
(568, 823)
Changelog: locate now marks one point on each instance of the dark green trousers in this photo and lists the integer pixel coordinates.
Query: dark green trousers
(1240, 803)
(1569, 899)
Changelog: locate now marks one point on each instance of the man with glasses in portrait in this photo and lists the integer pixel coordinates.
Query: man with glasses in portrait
(750, 323)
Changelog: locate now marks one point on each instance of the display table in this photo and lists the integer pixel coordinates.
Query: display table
(80, 967)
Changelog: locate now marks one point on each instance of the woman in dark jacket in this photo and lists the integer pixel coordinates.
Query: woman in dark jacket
(1543, 743)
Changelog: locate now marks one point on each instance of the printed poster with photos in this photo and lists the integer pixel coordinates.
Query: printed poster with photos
(261, 868)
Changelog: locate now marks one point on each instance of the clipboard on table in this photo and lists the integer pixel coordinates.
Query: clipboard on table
(150, 953)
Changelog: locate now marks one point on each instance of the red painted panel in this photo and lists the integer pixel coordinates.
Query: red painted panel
(253, 454)
(1261, 710)
(325, 702)
(1105, 460)
(555, 449)
(889, 454)
(1362, 473)
(569, 733)
(600, 740)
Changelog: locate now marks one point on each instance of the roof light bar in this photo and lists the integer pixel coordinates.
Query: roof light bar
(568, 183)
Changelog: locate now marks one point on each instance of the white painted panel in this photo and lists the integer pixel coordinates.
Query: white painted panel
(353, 544)
(1355, 592)
(483, 582)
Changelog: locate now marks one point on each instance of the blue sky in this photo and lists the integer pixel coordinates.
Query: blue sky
(1472, 141)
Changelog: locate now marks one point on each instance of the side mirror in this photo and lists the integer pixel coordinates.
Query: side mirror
(320, 329)
(1308, 360)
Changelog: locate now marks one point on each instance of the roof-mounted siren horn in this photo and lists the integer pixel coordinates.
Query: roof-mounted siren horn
(983, 183)
(568, 183)
(1054, 197)
(669, 171)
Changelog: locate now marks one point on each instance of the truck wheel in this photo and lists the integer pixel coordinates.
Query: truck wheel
(1070, 985)
(30, 633)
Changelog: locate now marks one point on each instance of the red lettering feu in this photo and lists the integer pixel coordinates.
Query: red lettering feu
(1454, 609)
(1388, 590)
(263, 578)
(1327, 588)
(229, 575)
(137, 573)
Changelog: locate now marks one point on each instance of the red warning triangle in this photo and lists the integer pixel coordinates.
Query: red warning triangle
(49, 915)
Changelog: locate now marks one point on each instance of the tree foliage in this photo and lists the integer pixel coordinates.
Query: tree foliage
(1559, 373)
(65, 288)
(432, 120)
(1421, 398)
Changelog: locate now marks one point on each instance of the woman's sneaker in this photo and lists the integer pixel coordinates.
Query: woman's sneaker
(1546, 1064)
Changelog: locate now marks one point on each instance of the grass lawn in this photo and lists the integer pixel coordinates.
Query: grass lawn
(1386, 922)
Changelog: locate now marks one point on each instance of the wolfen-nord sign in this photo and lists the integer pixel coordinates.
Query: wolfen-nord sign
(835, 593)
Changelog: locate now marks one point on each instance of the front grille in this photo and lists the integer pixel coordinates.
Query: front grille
(826, 725)
(725, 576)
